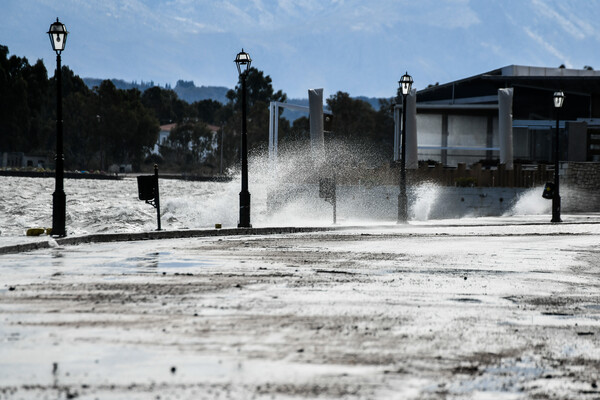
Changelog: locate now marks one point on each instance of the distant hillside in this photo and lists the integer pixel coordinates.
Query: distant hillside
(373, 101)
(186, 90)
(119, 84)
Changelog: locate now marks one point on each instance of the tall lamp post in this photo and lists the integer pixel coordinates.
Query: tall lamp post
(243, 60)
(559, 99)
(405, 85)
(58, 38)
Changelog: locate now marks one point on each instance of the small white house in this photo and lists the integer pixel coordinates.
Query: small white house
(18, 159)
(163, 136)
(165, 131)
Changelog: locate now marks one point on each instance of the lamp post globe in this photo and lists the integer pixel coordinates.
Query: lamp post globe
(559, 99)
(243, 61)
(58, 39)
(58, 35)
(405, 86)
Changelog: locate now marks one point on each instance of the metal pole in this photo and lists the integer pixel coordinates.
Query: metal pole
(157, 197)
(59, 199)
(271, 127)
(334, 198)
(556, 196)
(402, 200)
(221, 164)
(396, 133)
(276, 134)
(244, 194)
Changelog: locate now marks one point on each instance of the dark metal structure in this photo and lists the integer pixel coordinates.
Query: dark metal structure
(405, 85)
(58, 38)
(532, 113)
(148, 191)
(243, 61)
(559, 98)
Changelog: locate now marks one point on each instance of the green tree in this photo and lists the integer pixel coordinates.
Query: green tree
(167, 107)
(100, 126)
(353, 119)
(357, 124)
(40, 128)
(259, 89)
(260, 93)
(384, 128)
(207, 111)
(15, 111)
(128, 130)
(190, 143)
(77, 101)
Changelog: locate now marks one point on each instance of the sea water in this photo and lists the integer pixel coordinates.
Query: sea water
(283, 193)
(112, 206)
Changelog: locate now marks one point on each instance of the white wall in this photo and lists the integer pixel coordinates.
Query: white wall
(429, 132)
(463, 131)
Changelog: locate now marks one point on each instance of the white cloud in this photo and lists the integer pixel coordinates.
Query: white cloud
(234, 15)
(314, 16)
(326, 42)
(298, 8)
(449, 14)
(546, 11)
(495, 49)
(191, 26)
(547, 46)
(588, 12)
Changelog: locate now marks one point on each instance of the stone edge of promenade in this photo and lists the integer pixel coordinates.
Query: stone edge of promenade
(182, 234)
(154, 235)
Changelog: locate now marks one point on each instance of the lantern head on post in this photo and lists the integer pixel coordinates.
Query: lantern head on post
(405, 84)
(243, 61)
(58, 36)
(559, 98)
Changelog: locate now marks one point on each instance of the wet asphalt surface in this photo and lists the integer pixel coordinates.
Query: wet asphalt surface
(428, 313)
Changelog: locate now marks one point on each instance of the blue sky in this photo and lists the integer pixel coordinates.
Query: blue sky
(358, 46)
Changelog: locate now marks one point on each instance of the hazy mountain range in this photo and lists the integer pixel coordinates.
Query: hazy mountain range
(189, 92)
(186, 90)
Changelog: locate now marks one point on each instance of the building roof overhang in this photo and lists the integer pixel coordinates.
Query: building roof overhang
(482, 87)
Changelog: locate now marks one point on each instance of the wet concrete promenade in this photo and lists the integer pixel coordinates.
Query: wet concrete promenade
(502, 308)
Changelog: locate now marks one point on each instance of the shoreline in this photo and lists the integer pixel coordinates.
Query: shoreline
(46, 242)
(86, 175)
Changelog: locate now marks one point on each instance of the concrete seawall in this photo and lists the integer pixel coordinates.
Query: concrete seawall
(380, 203)
(457, 202)
(156, 235)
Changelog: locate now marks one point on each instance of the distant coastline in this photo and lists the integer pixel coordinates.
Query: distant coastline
(50, 174)
(88, 175)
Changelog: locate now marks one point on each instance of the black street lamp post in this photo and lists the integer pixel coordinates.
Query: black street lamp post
(559, 98)
(243, 60)
(58, 38)
(405, 85)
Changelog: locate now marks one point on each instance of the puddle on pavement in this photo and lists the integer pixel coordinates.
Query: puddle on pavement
(107, 364)
(152, 262)
(504, 378)
(466, 300)
(558, 314)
